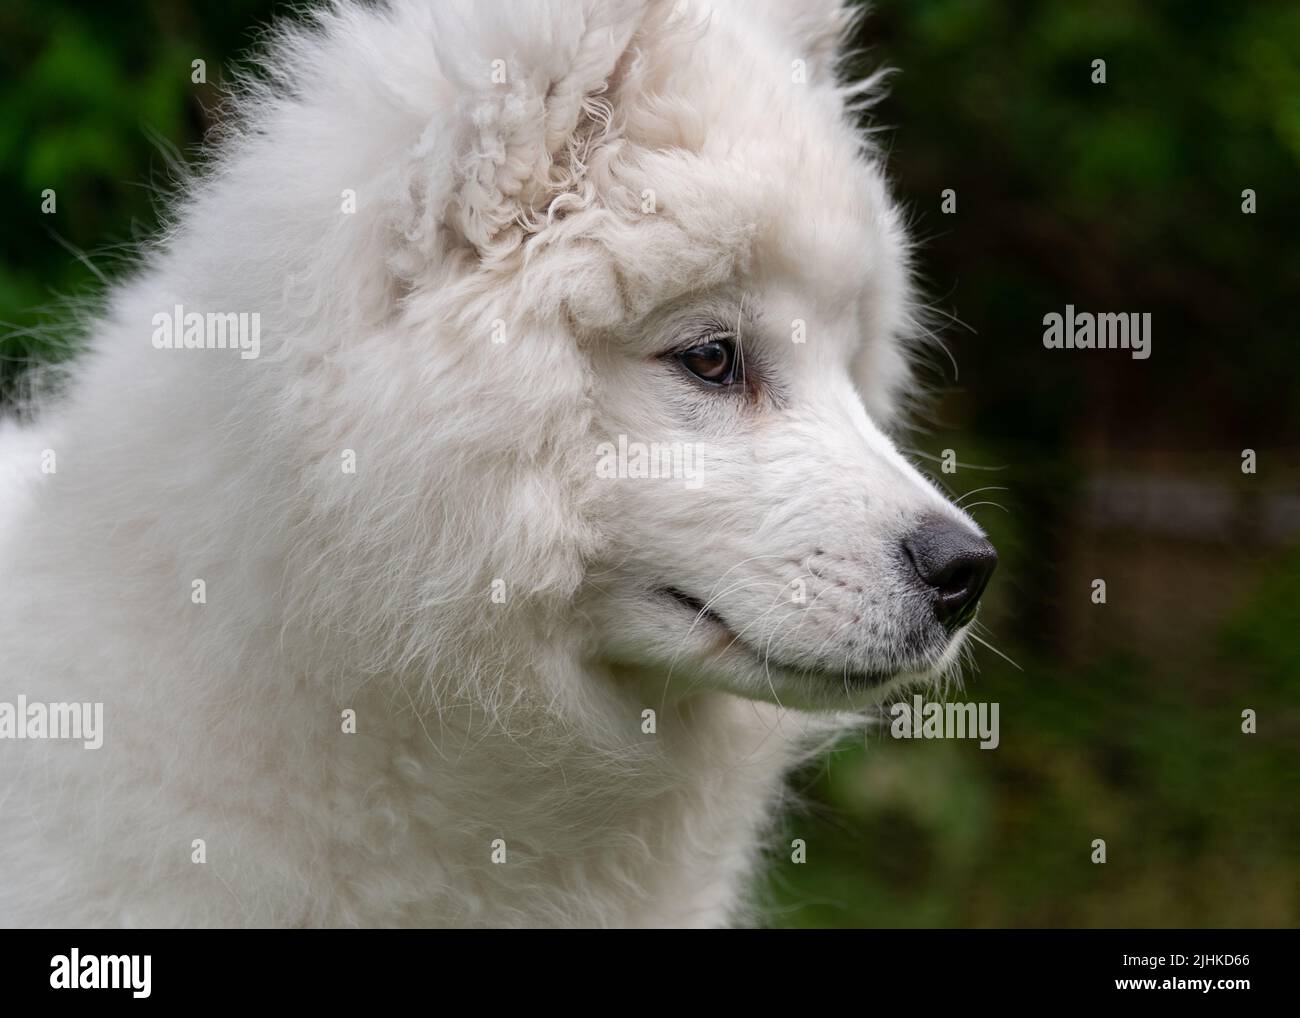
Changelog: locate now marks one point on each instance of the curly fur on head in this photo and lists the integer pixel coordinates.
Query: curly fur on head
(477, 235)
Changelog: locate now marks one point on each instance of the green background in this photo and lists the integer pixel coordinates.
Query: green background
(1123, 721)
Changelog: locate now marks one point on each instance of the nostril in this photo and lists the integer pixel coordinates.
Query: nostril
(961, 580)
(958, 594)
(954, 563)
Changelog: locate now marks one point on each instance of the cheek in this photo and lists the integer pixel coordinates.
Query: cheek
(648, 399)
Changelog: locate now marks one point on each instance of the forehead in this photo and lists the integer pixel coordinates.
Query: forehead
(796, 250)
(730, 176)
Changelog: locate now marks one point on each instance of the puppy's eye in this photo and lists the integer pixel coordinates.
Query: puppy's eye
(714, 362)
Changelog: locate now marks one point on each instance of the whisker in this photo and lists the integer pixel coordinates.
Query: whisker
(976, 491)
(999, 653)
(939, 459)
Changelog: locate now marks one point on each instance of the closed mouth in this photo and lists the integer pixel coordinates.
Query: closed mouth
(854, 678)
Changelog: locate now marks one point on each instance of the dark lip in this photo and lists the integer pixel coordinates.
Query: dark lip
(855, 679)
(695, 605)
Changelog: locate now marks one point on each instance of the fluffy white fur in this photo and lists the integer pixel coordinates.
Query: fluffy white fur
(486, 209)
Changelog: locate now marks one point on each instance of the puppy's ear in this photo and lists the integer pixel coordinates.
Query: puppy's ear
(522, 109)
(814, 32)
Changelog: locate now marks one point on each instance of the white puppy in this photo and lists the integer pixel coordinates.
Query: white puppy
(387, 624)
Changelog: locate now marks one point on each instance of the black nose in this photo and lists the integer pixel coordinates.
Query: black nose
(954, 563)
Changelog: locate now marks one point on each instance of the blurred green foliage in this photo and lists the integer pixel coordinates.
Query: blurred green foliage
(1116, 197)
(95, 99)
